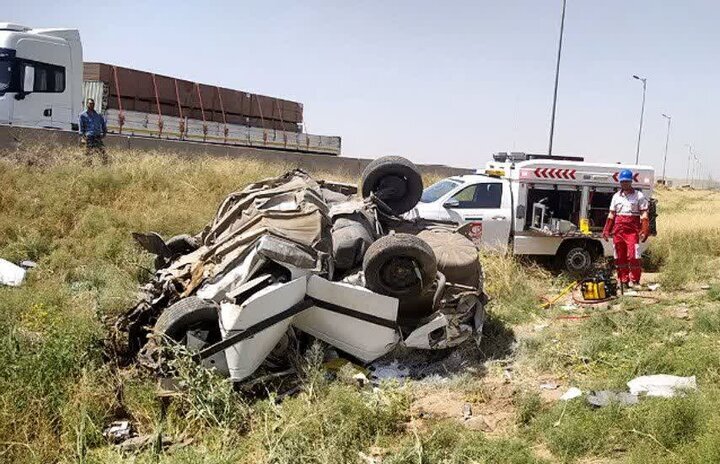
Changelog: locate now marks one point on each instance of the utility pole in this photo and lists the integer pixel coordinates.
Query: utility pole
(557, 77)
(667, 140)
(687, 176)
(642, 114)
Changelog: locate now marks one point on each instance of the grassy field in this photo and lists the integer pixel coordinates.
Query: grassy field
(57, 392)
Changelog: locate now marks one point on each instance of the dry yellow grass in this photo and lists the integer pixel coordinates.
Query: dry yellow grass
(687, 247)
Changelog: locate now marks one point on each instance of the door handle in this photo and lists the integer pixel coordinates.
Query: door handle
(498, 218)
(47, 112)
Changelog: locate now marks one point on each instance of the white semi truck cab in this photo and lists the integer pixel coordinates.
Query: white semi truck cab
(535, 205)
(40, 76)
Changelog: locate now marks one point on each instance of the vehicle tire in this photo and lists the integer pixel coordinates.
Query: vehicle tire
(178, 245)
(394, 180)
(577, 260)
(188, 314)
(182, 244)
(391, 262)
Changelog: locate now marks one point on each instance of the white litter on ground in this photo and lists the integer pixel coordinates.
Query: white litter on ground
(573, 392)
(661, 385)
(549, 386)
(11, 274)
(389, 371)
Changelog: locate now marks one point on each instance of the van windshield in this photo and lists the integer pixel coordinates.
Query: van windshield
(437, 190)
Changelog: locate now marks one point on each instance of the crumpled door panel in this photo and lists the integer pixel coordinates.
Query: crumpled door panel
(351, 318)
(245, 357)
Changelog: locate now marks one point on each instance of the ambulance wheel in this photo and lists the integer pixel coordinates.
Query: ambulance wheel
(395, 181)
(400, 266)
(576, 260)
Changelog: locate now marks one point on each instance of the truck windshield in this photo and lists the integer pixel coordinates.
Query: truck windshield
(437, 190)
(6, 74)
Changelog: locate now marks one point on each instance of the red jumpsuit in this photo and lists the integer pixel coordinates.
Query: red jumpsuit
(628, 206)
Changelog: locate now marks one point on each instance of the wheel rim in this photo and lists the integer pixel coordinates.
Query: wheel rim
(398, 273)
(578, 259)
(391, 187)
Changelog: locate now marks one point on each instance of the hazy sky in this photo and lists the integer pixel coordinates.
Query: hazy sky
(439, 82)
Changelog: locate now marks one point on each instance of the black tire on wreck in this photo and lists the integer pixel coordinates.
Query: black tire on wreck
(392, 263)
(394, 180)
(182, 244)
(189, 314)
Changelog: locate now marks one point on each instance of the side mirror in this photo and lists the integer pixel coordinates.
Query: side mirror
(29, 80)
(451, 203)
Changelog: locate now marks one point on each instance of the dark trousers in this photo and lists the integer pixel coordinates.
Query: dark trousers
(95, 147)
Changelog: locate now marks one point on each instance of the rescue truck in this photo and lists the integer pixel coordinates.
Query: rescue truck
(537, 205)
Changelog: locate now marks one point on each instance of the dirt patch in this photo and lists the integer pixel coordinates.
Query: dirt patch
(488, 408)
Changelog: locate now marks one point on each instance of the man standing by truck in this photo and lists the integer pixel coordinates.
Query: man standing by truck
(92, 131)
(629, 225)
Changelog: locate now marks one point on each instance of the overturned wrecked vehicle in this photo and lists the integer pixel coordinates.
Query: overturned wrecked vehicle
(294, 255)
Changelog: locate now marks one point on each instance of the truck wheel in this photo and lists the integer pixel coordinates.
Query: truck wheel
(399, 265)
(577, 260)
(190, 314)
(394, 180)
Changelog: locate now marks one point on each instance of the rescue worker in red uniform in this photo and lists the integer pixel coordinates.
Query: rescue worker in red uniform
(629, 225)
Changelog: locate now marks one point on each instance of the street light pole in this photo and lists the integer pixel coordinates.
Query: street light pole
(557, 78)
(642, 114)
(687, 176)
(667, 140)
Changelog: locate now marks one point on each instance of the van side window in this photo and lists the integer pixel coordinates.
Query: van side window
(487, 195)
(49, 78)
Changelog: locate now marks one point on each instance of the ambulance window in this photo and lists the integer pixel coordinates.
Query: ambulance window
(487, 195)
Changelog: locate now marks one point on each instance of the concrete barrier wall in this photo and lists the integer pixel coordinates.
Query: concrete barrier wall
(14, 138)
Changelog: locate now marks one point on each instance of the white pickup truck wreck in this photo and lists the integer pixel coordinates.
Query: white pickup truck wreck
(293, 256)
(528, 204)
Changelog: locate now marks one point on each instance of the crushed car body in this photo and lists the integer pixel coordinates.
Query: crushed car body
(292, 254)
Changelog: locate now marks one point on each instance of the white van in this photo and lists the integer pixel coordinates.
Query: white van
(535, 205)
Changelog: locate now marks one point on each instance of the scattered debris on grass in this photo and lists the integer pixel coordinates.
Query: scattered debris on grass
(603, 398)
(572, 392)
(11, 274)
(119, 431)
(662, 385)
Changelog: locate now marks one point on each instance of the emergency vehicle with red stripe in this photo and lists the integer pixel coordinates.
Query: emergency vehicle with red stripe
(528, 204)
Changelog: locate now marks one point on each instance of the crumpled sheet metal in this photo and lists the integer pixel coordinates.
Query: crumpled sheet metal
(282, 218)
(263, 196)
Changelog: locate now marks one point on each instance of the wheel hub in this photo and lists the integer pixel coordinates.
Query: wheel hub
(399, 273)
(577, 259)
(391, 188)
